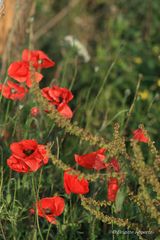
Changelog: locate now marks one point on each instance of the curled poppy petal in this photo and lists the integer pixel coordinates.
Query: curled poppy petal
(57, 94)
(37, 58)
(59, 97)
(65, 110)
(93, 160)
(74, 185)
(21, 72)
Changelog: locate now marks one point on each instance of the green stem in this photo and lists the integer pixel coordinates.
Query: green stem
(36, 198)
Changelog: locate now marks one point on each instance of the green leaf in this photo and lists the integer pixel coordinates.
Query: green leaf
(120, 199)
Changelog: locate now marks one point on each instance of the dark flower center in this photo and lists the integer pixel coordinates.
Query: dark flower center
(60, 99)
(47, 211)
(28, 152)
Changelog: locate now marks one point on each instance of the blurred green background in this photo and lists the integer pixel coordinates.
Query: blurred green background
(122, 40)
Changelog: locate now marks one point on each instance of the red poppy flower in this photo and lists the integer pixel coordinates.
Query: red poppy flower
(49, 208)
(114, 163)
(59, 97)
(139, 136)
(112, 189)
(20, 71)
(37, 58)
(93, 160)
(35, 111)
(12, 91)
(75, 185)
(27, 156)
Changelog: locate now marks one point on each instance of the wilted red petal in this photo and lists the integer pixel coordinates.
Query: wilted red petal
(43, 153)
(139, 136)
(37, 77)
(114, 163)
(59, 97)
(93, 160)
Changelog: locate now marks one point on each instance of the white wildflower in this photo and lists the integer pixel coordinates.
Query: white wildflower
(20, 106)
(82, 51)
(96, 68)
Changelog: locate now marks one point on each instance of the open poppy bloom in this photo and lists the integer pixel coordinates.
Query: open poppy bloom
(139, 136)
(27, 156)
(93, 160)
(21, 72)
(49, 208)
(74, 185)
(112, 189)
(37, 58)
(59, 97)
(12, 91)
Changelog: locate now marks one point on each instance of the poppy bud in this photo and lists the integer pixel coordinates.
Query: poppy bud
(35, 111)
(112, 189)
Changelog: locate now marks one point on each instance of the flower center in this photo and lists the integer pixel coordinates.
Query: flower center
(60, 99)
(28, 152)
(40, 61)
(47, 211)
(13, 90)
